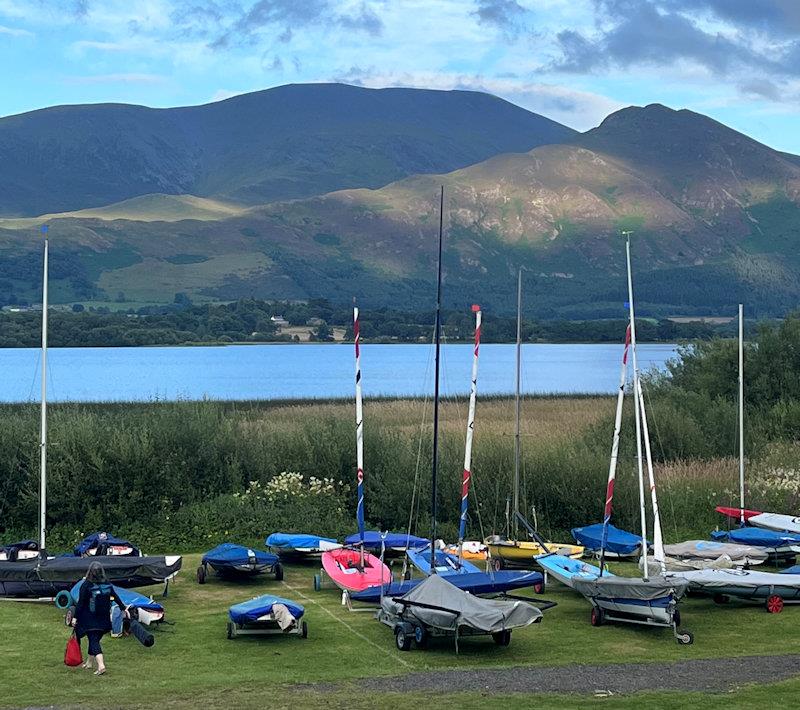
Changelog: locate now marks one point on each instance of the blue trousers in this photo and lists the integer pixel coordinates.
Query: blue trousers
(94, 642)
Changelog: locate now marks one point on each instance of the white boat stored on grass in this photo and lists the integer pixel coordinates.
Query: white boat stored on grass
(776, 521)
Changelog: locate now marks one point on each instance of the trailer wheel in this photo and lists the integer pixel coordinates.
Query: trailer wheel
(539, 588)
(502, 638)
(201, 575)
(774, 604)
(317, 582)
(231, 630)
(684, 638)
(497, 564)
(278, 572)
(598, 616)
(402, 639)
(421, 637)
(720, 599)
(304, 630)
(63, 599)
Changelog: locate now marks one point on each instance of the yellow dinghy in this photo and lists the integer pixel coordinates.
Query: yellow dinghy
(504, 552)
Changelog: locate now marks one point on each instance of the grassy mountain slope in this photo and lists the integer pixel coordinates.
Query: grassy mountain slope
(715, 217)
(288, 142)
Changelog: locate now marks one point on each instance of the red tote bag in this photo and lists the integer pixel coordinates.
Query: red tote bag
(72, 655)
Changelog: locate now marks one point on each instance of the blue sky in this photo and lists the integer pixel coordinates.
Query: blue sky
(572, 60)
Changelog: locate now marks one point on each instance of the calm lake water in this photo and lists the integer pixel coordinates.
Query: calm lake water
(313, 370)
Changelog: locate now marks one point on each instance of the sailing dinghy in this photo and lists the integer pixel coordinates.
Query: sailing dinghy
(355, 569)
(104, 544)
(776, 521)
(236, 562)
(774, 589)
(43, 576)
(299, 546)
(22, 550)
(710, 554)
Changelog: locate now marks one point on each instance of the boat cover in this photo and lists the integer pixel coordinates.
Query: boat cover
(127, 597)
(630, 587)
(11, 551)
(438, 603)
(618, 541)
(229, 554)
(446, 563)
(791, 570)
(759, 537)
(251, 611)
(775, 521)
(103, 540)
(744, 583)
(48, 577)
(289, 542)
(473, 582)
(373, 540)
(713, 550)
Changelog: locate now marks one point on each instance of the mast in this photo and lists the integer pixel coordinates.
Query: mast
(658, 538)
(612, 467)
(473, 394)
(359, 432)
(43, 423)
(438, 326)
(514, 528)
(741, 414)
(636, 403)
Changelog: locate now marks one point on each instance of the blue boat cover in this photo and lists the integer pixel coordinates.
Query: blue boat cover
(127, 597)
(99, 538)
(760, 537)
(249, 612)
(297, 541)
(446, 563)
(13, 548)
(229, 554)
(373, 541)
(474, 583)
(619, 541)
(791, 570)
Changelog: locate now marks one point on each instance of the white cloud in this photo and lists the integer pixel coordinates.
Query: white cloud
(15, 31)
(129, 78)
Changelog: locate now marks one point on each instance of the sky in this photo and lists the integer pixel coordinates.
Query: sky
(574, 61)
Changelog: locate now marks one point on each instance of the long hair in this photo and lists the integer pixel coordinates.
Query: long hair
(96, 573)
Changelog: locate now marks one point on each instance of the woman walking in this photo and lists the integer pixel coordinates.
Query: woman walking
(92, 616)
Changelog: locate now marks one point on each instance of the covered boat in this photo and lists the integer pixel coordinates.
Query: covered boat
(436, 607)
(102, 544)
(772, 588)
(22, 550)
(375, 541)
(234, 561)
(477, 583)
(266, 615)
(776, 521)
(446, 563)
(791, 570)
(300, 545)
(47, 577)
(779, 545)
(618, 543)
(712, 554)
(145, 609)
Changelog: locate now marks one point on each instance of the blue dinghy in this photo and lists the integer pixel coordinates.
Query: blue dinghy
(266, 615)
(473, 582)
(300, 545)
(393, 542)
(234, 561)
(783, 544)
(103, 543)
(446, 563)
(566, 570)
(792, 570)
(619, 543)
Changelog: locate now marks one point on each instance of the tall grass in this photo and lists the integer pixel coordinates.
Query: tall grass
(181, 471)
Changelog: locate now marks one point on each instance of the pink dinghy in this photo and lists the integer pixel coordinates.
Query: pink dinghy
(346, 570)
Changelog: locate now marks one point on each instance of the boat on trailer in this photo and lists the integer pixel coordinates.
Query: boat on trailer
(388, 543)
(237, 562)
(567, 569)
(446, 563)
(774, 589)
(102, 544)
(649, 600)
(618, 544)
(299, 546)
(776, 521)
(22, 550)
(267, 615)
(782, 548)
(354, 569)
(712, 554)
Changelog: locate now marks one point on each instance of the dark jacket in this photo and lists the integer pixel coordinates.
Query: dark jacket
(93, 611)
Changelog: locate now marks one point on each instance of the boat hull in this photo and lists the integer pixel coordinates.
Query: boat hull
(354, 571)
(777, 522)
(522, 552)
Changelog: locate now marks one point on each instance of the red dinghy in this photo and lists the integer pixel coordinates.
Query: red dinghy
(735, 513)
(348, 572)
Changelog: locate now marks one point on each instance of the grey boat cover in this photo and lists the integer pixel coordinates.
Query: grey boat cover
(713, 550)
(440, 604)
(631, 587)
(744, 582)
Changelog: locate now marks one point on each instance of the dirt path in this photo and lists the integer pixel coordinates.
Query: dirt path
(712, 674)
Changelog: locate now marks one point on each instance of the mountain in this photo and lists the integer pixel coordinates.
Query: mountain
(715, 219)
(289, 142)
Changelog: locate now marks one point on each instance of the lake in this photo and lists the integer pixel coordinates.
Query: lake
(306, 371)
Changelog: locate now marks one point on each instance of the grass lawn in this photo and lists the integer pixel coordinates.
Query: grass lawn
(194, 664)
